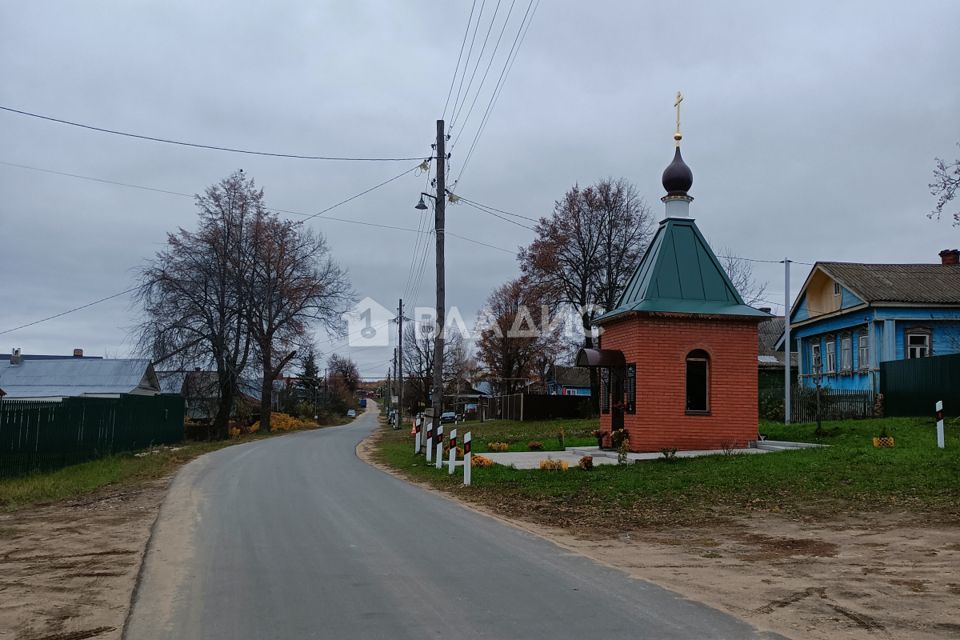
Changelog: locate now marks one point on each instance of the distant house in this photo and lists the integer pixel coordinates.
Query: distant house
(55, 379)
(201, 393)
(568, 381)
(770, 354)
(850, 317)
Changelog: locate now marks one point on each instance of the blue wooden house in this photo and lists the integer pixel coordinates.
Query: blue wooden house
(850, 317)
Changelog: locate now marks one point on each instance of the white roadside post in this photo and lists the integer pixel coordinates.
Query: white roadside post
(453, 450)
(940, 423)
(439, 446)
(430, 442)
(416, 445)
(466, 459)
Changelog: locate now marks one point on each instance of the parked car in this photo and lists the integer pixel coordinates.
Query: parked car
(447, 417)
(352, 413)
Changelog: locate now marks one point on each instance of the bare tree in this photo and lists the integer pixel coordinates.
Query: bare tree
(345, 370)
(946, 183)
(740, 272)
(418, 363)
(245, 285)
(584, 253)
(194, 291)
(626, 227)
(294, 285)
(513, 345)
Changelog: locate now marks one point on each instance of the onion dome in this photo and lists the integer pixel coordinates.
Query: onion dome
(677, 177)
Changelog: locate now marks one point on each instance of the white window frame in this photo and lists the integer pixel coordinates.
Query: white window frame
(815, 360)
(863, 350)
(831, 360)
(837, 291)
(846, 352)
(925, 347)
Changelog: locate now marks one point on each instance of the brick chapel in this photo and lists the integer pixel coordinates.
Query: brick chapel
(678, 356)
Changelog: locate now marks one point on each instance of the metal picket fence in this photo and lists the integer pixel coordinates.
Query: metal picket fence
(48, 435)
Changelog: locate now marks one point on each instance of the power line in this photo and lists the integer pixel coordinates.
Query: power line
(501, 81)
(466, 63)
(204, 146)
(497, 215)
(486, 71)
(459, 56)
(486, 38)
(63, 313)
(92, 179)
(486, 206)
(484, 244)
(191, 196)
(362, 193)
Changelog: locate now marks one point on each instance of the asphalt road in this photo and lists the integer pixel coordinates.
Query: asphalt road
(296, 538)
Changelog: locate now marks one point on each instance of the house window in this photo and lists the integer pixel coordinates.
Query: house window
(630, 389)
(815, 362)
(698, 382)
(846, 353)
(604, 390)
(836, 289)
(918, 343)
(831, 355)
(863, 351)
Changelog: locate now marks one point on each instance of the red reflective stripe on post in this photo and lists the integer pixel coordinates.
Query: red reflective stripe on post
(940, 415)
(466, 447)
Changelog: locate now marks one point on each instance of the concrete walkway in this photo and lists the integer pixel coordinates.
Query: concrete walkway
(572, 455)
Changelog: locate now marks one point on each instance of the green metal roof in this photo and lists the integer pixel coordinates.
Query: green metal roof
(680, 274)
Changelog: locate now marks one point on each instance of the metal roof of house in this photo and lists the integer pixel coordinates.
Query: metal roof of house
(679, 273)
(908, 283)
(77, 377)
(171, 381)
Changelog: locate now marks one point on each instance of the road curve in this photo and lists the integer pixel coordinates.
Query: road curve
(296, 538)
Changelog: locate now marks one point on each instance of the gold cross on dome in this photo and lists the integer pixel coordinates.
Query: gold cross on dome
(677, 136)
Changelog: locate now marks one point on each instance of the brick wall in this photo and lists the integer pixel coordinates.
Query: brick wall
(659, 346)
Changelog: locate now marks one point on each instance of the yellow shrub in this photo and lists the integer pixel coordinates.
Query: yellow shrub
(480, 461)
(498, 446)
(553, 465)
(285, 422)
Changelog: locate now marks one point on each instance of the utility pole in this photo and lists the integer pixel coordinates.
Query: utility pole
(786, 341)
(392, 389)
(439, 216)
(400, 361)
(389, 399)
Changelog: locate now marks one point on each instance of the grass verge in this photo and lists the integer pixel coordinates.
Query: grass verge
(119, 470)
(848, 476)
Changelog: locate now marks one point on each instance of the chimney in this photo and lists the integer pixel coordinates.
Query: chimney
(78, 353)
(950, 256)
(15, 358)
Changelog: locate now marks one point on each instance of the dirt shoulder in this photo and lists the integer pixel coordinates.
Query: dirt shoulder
(67, 570)
(852, 576)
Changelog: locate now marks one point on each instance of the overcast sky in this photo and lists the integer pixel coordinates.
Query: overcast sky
(811, 131)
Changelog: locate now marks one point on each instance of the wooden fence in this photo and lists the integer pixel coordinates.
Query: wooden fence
(47, 435)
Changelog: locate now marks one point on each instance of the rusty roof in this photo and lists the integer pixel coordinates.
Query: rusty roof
(908, 283)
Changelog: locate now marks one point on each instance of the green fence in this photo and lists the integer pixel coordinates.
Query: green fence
(47, 435)
(913, 387)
